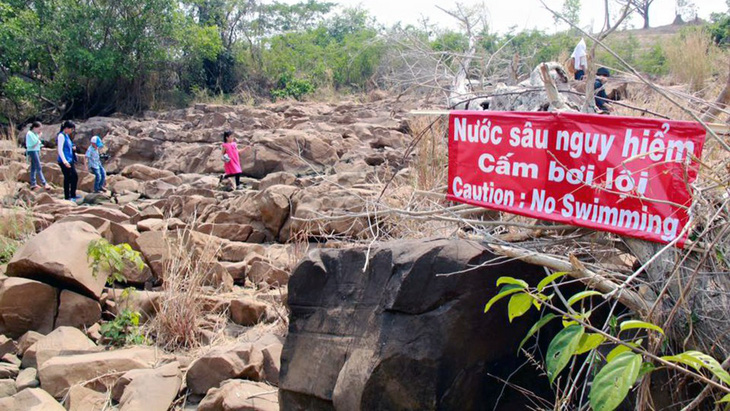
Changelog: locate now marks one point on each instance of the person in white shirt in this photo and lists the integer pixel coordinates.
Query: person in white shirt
(580, 60)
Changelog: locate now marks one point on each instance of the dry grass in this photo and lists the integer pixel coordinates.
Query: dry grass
(179, 323)
(430, 165)
(690, 57)
(16, 226)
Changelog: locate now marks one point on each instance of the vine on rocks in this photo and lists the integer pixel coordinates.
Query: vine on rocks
(623, 366)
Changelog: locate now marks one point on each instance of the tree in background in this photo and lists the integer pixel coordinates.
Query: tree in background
(641, 7)
(684, 11)
(571, 12)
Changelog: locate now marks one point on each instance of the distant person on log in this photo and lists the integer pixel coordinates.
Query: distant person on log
(602, 75)
(231, 160)
(93, 163)
(67, 160)
(33, 144)
(580, 60)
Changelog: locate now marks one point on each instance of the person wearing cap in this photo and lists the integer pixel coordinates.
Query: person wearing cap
(602, 75)
(67, 160)
(93, 163)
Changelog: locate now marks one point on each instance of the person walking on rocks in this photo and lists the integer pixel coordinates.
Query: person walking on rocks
(93, 163)
(33, 150)
(67, 160)
(231, 160)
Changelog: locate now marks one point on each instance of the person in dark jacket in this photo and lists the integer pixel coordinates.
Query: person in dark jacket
(67, 160)
(602, 75)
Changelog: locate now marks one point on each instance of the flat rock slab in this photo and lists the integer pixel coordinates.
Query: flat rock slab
(60, 373)
(236, 395)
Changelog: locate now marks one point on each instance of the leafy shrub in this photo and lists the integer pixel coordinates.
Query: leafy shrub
(113, 258)
(290, 86)
(123, 329)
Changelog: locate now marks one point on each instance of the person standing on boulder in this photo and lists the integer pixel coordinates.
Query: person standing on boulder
(67, 160)
(231, 160)
(580, 60)
(93, 163)
(33, 149)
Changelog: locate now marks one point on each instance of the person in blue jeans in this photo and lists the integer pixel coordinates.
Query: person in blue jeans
(93, 162)
(67, 160)
(33, 150)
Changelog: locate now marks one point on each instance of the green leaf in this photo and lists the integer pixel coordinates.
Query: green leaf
(549, 279)
(614, 381)
(698, 360)
(510, 280)
(504, 292)
(633, 324)
(589, 342)
(561, 348)
(724, 399)
(616, 352)
(646, 368)
(536, 327)
(518, 305)
(581, 295)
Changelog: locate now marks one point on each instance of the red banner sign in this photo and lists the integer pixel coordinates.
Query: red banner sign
(627, 175)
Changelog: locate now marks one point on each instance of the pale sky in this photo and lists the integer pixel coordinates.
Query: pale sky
(525, 14)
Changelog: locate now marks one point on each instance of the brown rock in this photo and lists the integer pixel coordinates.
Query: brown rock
(272, 362)
(62, 341)
(78, 311)
(28, 339)
(277, 178)
(158, 224)
(101, 224)
(124, 233)
(242, 360)
(7, 345)
(81, 398)
(236, 270)
(150, 212)
(142, 172)
(58, 254)
(157, 189)
(60, 373)
(119, 184)
(27, 378)
(9, 370)
(151, 390)
(232, 232)
(236, 252)
(247, 311)
(238, 395)
(7, 388)
(263, 271)
(11, 359)
(26, 305)
(106, 213)
(32, 399)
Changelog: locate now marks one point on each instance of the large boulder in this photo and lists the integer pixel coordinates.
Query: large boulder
(151, 390)
(76, 310)
(57, 255)
(32, 399)
(407, 333)
(60, 373)
(238, 395)
(26, 305)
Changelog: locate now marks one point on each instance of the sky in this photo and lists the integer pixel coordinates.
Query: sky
(524, 14)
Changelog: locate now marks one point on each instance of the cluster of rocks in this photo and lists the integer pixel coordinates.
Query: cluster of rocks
(302, 161)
